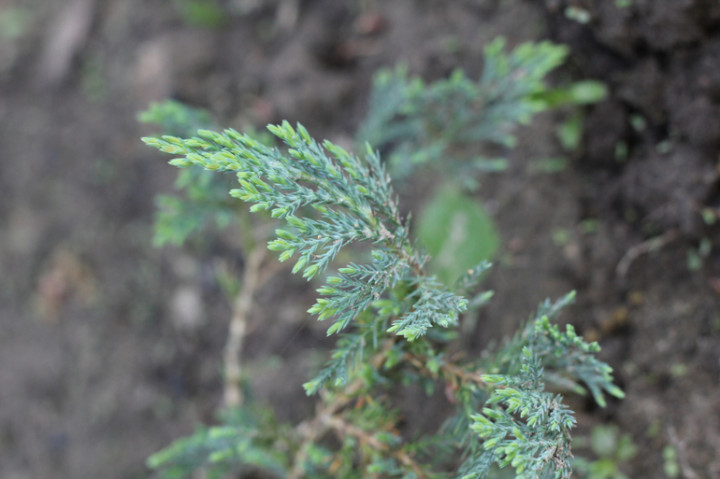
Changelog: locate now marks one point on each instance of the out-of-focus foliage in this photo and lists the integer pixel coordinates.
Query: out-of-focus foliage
(443, 124)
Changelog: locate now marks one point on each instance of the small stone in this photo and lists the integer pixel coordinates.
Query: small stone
(186, 308)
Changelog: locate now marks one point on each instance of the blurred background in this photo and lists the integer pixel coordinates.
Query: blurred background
(111, 348)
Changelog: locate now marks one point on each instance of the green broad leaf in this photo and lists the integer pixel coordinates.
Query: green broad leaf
(457, 232)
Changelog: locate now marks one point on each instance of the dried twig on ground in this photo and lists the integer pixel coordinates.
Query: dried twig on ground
(653, 244)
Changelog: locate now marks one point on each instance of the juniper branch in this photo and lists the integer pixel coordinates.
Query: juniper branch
(355, 201)
(330, 199)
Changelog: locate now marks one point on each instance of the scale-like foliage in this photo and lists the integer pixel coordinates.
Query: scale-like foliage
(356, 286)
(203, 201)
(392, 318)
(246, 438)
(355, 202)
(523, 425)
(433, 305)
(442, 123)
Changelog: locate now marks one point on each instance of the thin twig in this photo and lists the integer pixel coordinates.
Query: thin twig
(448, 370)
(238, 326)
(311, 430)
(345, 429)
(256, 273)
(653, 244)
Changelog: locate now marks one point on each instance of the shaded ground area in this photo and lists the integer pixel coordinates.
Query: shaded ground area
(99, 369)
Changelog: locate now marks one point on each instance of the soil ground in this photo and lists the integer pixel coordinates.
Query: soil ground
(100, 362)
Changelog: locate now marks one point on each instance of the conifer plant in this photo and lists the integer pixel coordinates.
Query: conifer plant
(393, 319)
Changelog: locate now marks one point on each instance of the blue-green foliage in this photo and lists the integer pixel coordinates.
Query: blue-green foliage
(443, 123)
(202, 201)
(246, 438)
(175, 118)
(568, 359)
(355, 202)
(522, 424)
(432, 305)
(203, 204)
(393, 319)
(356, 287)
(329, 199)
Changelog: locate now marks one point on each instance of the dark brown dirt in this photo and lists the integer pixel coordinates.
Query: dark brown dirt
(100, 369)
(662, 63)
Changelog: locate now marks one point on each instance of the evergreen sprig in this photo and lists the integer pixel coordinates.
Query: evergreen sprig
(522, 424)
(355, 202)
(392, 318)
(202, 201)
(433, 305)
(505, 416)
(246, 438)
(356, 287)
(352, 197)
(443, 123)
